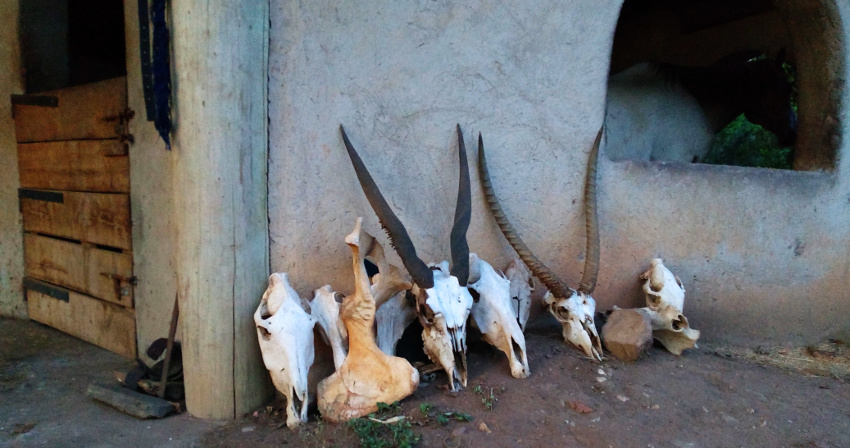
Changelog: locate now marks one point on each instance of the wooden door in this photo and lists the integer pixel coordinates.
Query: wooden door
(75, 202)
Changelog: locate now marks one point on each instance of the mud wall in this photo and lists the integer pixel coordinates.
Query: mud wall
(763, 254)
(11, 236)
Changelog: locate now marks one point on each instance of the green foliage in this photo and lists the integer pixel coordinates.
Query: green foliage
(444, 417)
(488, 398)
(374, 434)
(425, 408)
(742, 143)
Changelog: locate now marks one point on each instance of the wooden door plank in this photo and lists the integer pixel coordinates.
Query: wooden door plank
(97, 218)
(101, 323)
(82, 113)
(77, 165)
(79, 267)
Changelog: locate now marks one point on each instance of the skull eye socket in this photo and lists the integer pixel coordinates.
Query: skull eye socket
(562, 313)
(338, 297)
(678, 323)
(653, 299)
(264, 332)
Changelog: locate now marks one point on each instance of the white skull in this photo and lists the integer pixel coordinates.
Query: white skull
(494, 315)
(662, 288)
(447, 307)
(285, 332)
(665, 299)
(521, 287)
(575, 313)
(392, 318)
(325, 309)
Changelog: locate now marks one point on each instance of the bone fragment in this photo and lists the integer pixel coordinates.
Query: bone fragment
(325, 309)
(392, 318)
(521, 287)
(367, 376)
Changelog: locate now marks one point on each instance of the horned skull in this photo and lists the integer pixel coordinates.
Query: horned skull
(494, 316)
(285, 332)
(665, 299)
(574, 309)
(443, 302)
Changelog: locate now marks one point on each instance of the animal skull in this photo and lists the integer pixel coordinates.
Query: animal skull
(392, 318)
(367, 376)
(443, 315)
(494, 315)
(665, 298)
(521, 287)
(325, 309)
(285, 332)
(662, 288)
(442, 300)
(575, 314)
(574, 309)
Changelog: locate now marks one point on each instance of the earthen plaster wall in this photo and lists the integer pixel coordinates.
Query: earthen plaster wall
(762, 253)
(11, 239)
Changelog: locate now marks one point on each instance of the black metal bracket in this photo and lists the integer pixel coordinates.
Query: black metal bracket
(46, 289)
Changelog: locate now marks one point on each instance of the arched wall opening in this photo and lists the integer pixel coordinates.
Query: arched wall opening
(805, 34)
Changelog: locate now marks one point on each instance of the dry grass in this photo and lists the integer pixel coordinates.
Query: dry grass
(829, 359)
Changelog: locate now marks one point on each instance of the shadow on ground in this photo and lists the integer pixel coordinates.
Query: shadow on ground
(43, 379)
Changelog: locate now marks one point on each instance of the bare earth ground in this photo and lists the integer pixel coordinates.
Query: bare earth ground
(44, 375)
(710, 397)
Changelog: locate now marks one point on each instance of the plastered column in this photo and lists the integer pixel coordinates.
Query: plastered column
(220, 199)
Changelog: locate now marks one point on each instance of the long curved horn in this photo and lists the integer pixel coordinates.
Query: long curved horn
(463, 213)
(399, 238)
(591, 257)
(555, 285)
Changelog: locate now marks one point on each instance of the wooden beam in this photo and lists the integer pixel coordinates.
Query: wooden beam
(84, 112)
(220, 198)
(79, 267)
(77, 165)
(103, 324)
(96, 218)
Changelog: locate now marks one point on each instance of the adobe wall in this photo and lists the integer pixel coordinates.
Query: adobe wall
(11, 236)
(763, 254)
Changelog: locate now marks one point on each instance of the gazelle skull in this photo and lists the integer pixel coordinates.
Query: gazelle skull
(285, 332)
(573, 309)
(575, 314)
(442, 300)
(493, 314)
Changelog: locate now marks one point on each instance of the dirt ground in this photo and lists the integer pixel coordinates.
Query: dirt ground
(710, 397)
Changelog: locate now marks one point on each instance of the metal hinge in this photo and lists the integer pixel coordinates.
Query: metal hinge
(123, 285)
(122, 128)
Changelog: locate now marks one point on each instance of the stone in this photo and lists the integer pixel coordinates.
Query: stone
(627, 334)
